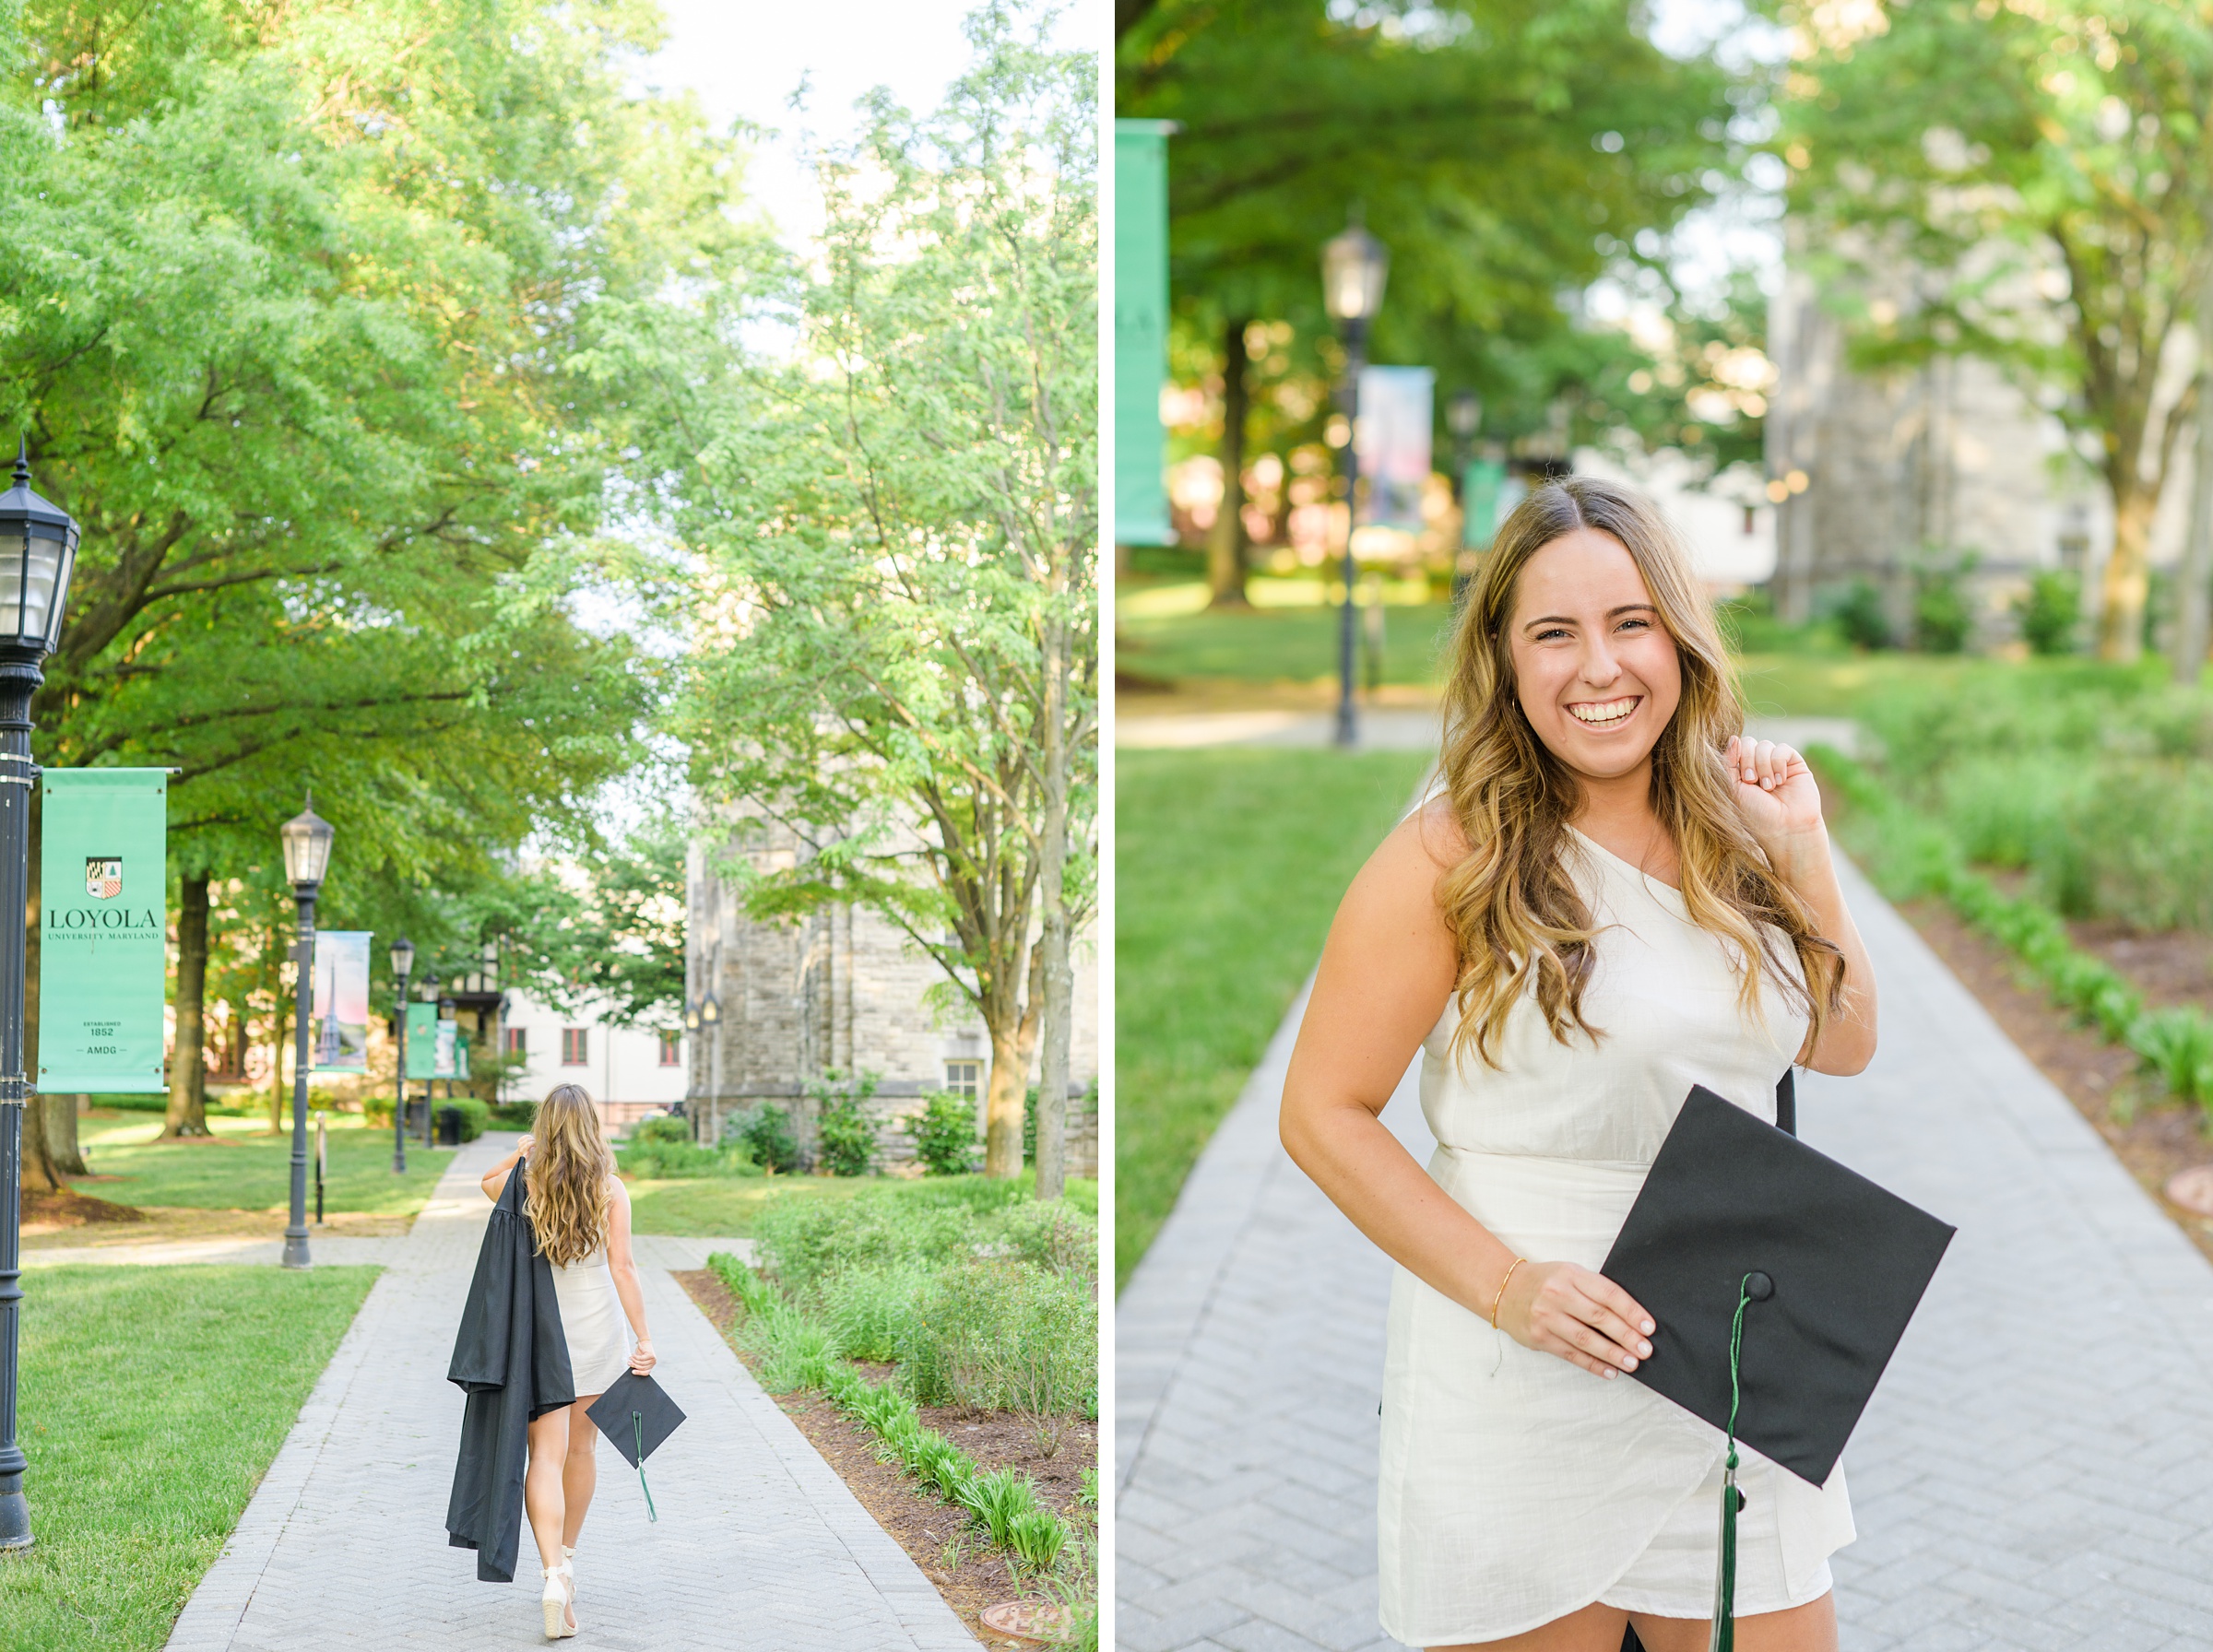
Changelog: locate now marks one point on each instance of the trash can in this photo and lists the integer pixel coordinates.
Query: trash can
(449, 1127)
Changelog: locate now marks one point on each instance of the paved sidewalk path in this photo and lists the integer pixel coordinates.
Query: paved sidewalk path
(2036, 1470)
(649, 1250)
(759, 1547)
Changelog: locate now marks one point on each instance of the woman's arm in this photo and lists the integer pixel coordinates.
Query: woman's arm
(1386, 974)
(494, 1182)
(625, 1272)
(1781, 805)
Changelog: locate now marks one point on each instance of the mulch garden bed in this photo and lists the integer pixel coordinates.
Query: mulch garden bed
(2154, 1138)
(966, 1571)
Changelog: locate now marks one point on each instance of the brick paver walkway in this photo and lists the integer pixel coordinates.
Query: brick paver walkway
(2036, 1470)
(759, 1545)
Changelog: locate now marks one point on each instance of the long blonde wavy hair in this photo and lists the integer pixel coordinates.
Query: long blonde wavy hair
(1510, 905)
(566, 1175)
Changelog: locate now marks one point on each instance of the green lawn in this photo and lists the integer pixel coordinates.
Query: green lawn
(245, 1168)
(1229, 865)
(726, 1207)
(153, 1398)
(1275, 645)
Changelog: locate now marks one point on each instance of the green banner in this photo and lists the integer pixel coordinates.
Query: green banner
(1480, 486)
(422, 1042)
(1141, 331)
(103, 930)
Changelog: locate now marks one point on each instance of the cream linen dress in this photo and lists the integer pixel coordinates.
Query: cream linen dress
(592, 1323)
(1517, 1488)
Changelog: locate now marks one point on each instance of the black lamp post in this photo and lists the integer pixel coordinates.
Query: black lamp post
(402, 960)
(306, 838)
(1354, 267)
(38, 550)
(1463, 418)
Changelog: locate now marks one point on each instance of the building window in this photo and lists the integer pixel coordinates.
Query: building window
(963, 1078)
(575, 1046)
(518, 1041)
(672, 1044)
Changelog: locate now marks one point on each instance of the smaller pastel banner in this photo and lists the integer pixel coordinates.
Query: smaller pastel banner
(1395, 418)
(337, 1037)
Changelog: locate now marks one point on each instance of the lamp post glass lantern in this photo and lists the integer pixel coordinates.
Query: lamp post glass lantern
(37, 553)
(1355, 267)
(402, 960)
(306, 839)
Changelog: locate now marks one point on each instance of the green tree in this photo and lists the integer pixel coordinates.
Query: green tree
(290, 322)
(1504, 150)
(898, 658)
(2042, 174)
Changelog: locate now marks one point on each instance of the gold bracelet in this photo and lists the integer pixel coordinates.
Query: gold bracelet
(1502, 1285)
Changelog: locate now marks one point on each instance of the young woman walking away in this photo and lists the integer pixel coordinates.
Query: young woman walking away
(1610, 896)
(581, 1215)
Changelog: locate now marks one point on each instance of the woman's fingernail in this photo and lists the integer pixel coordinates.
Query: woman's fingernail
(1628, 1365)
(1611, 1373)
(1644, 1351)
(1647, 1327)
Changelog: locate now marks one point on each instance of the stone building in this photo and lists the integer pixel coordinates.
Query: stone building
(845, 990)
(1887, 474)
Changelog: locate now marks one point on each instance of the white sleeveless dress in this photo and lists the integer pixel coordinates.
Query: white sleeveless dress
(592, 1322)
(1516, 1488)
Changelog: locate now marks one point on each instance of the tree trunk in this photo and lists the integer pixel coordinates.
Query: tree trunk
(62, 1145)
(2127, 576)
(2197, 551)
(283, 1020)
(1005, 1091)
(188, 1060)
(1060, 977)
(1226, 545)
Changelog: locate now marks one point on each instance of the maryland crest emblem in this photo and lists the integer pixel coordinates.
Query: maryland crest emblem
(103, 877)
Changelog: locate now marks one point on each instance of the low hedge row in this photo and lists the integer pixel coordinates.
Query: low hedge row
(1910, 856)
(797, 1354)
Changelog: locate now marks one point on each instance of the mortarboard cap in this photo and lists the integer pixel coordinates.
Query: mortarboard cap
(1833, 1267)
(636, 1414)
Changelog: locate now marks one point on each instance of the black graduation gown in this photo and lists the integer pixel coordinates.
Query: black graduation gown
(512, 1361)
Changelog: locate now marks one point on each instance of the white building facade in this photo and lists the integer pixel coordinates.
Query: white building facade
(630, 1070)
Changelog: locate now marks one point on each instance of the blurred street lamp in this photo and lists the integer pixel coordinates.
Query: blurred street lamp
(1463, 418)
(38, 552)
(403, 960)
(306, 839)
(1354, 268)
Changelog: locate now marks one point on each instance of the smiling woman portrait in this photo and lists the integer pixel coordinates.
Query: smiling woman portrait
(1610, 895)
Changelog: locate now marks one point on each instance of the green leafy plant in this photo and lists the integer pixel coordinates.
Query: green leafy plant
(2050, 612)
(1942, 621)
(844, 1133)
(1860, 616)
(944, 1133)
(767, 1135)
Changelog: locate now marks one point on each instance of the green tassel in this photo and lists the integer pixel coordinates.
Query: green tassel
(1724, 1583)
(637, 1423)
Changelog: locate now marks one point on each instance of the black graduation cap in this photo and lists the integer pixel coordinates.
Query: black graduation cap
(1826, 1268)
(636, 1414)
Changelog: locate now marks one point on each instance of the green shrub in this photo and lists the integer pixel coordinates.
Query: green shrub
(1860, 616)
(1004, 1335)
(844, 1133)
(871, 1311)
(1942, 619)
(766, 1133)
(944, 1133)
(513, 1115)
(662, 1127)
(475, 1117)
(2050, 612)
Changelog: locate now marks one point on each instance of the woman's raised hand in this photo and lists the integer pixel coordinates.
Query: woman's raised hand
(1577, 1316)
(1778, 801)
